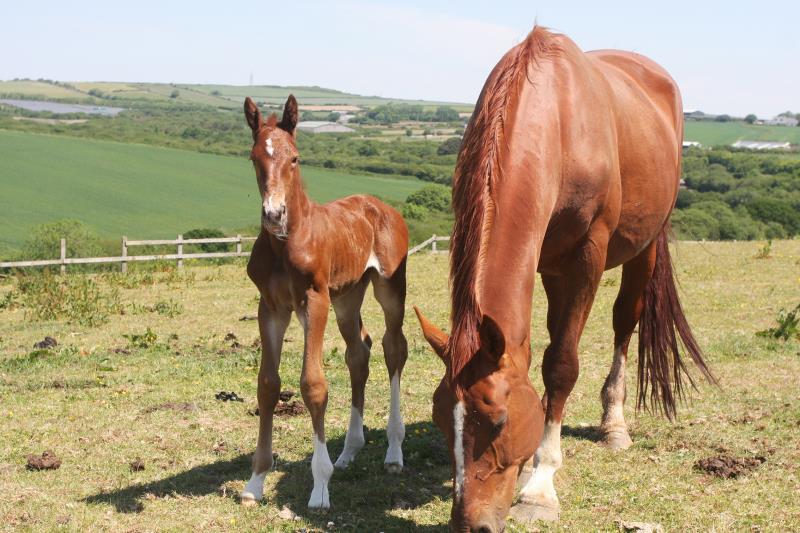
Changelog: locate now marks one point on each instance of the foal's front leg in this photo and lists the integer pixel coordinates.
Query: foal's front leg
(313, 315)
(272, 325)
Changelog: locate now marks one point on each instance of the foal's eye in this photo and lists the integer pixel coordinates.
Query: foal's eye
(294, 160)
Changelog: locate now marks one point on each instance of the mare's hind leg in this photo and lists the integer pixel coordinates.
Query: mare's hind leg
(391, 294)
(636, 274)
(570, 296)
(272, 325)
(348, 318)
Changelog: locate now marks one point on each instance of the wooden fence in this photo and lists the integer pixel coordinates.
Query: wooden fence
(179, 256)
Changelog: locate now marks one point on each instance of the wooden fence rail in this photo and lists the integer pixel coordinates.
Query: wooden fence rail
(125, 258)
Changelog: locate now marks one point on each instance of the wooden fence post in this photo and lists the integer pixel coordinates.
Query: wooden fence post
(180, 252)
(433, 244)
(238, 244)
(124, 263)
(63, 255)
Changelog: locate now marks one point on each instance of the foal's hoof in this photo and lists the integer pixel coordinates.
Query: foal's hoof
(617, 440)
(393, 468)
(247, 500)
(526, 513)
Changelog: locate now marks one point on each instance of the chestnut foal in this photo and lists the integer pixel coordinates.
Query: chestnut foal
(306, 258)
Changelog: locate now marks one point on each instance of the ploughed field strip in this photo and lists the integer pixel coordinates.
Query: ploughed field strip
(143, 443)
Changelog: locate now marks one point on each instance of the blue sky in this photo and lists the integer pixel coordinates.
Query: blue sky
(728, 57)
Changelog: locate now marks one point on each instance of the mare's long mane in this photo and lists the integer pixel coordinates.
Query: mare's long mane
(477, 173)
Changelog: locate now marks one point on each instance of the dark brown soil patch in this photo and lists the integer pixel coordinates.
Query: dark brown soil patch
(170, 406)
(292, 408)
(728, 466)
(44, 344)
(121, 351)
(137, 465)
(226, 396)
(284, 408)
(286, 395)
(47, 461)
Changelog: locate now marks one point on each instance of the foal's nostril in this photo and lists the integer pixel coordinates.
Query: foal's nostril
(484, 529)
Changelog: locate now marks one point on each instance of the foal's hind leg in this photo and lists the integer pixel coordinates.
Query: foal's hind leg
(272, 325)
(391, 294)
(636, 274)
(570, 298)
(348, 318)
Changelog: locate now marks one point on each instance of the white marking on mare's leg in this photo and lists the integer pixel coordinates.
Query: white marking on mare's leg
(322, 470)
(270, 148)
(395, 429)
(613, 395)
(354, 440)
(458, 449)
(254, 491)
(539, 489)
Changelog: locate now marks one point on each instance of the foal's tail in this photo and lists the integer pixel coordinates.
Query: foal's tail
(661, 326)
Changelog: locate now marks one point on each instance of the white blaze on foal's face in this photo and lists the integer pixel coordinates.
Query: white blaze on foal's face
(270, 148)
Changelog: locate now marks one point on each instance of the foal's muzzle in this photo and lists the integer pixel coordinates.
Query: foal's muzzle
(273, 216)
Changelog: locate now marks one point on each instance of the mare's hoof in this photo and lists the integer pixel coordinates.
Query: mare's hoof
(617, 440)
(526, 513)
(393, 468)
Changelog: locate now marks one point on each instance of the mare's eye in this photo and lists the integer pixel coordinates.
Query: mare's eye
(294, 160)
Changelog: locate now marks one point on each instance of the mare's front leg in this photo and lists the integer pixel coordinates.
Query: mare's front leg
(313, 315)
(570, 298)
(272, 323)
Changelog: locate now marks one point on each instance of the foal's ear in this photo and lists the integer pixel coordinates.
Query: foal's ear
(435, 337)
(492, 339)
(253, 115)
(289, 120)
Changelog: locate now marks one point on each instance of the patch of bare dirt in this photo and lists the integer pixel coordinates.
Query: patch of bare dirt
(47, 461)
(137, 465)
(727, 466)
(170, 406)
(293, 408)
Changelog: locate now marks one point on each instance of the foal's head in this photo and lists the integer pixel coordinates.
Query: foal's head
(492, 419)
(276, 160)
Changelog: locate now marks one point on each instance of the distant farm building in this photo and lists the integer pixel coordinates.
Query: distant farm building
(317, 126)
(691, 144)
(783, 121)
(762, 145)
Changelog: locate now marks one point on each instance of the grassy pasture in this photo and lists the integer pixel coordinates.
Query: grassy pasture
(112, 185)
(725, 133)
(99, 408)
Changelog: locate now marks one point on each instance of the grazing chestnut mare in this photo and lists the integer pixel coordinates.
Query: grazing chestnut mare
(306, 258)
(570, 166)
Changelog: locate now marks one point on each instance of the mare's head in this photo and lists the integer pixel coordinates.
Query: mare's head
(276, 160)
(492, 419)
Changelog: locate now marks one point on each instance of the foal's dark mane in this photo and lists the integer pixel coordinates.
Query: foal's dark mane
(477, 173)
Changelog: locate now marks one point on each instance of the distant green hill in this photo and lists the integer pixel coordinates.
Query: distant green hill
(726, 133)
(224, 96)
(143, 191)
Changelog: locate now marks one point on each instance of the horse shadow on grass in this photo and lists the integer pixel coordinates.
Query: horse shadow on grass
(363, 497)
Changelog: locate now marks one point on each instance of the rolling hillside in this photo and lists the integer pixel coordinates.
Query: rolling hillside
(725, 133)
(222, 96)
(142, 191)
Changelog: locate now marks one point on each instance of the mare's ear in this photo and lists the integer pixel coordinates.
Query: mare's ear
(253, 115)
(288, 121)
(492, 339)
(435, 337)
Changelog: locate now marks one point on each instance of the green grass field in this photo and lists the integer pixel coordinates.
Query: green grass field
(100, 404)
(143, 191)
(725, 133)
